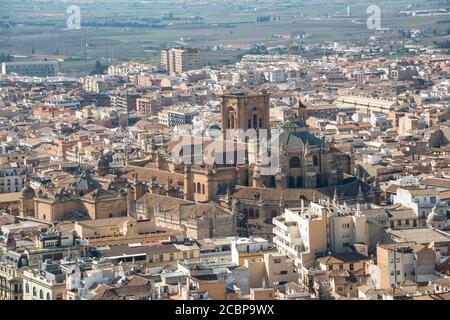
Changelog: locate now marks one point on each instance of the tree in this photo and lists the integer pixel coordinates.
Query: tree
(99, 68)
(5, 58)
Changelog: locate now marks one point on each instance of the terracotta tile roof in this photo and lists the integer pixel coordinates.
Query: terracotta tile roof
(153, 175)
(437, 182)
(349, 257)
(9, 197)
(269, 194)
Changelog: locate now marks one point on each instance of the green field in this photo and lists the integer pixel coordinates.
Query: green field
(41, 26)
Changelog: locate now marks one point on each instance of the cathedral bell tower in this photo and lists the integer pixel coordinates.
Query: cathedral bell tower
(244, 110)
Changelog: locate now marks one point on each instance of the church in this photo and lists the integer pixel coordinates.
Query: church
(212, 196)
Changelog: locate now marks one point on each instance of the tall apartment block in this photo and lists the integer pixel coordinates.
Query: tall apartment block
(178, 60)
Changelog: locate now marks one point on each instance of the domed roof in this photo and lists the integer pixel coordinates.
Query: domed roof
(435, 217)
(27, 192)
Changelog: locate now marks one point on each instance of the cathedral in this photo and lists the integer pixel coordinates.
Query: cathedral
(213, 196)
(303, 160)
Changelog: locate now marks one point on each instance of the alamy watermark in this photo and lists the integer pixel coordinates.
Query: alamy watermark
(374, 20)
(74, 20)
(240, 147)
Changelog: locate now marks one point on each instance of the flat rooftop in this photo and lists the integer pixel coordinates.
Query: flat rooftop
(419, 235)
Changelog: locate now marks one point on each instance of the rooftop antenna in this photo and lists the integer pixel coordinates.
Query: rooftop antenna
(85, 47)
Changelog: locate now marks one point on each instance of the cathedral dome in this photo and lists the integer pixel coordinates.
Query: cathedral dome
(27, 192)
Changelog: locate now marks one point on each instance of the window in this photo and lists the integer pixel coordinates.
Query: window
(27, 288)
(276, 260)
(341, 266)
(194, 187)
(203, 188)
(299, 182)
(198, 187)
(283, 272)
(315, 161)
(34, 292)
(291, 183)
(171, 257)
(432, 200)
(351, 266)
(41, 294)
(294, 162)
(48, 296)
(161, 257)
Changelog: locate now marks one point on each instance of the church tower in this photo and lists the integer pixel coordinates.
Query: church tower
(244, 110)
(26, 201)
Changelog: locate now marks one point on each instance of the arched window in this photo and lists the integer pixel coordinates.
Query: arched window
(48, 296)
(315, 161)
(41, 294)
(203, 188)
(294, 162)
(255, 122)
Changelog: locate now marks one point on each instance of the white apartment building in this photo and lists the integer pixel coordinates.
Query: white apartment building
(12, 177)
(31, 68)
(319, 229)
(366, 105)
(45, 283)
(421, 201)
(247, 245)
(300, 234)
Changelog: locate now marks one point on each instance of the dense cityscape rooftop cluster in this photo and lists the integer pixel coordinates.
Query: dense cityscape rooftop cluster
(95, 206)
